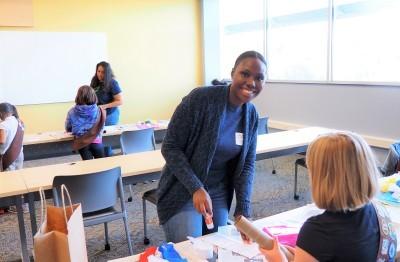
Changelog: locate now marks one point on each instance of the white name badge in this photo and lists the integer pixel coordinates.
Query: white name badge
(239, 139)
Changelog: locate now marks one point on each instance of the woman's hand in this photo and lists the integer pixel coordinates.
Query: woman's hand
(202, 202)
(276, 254)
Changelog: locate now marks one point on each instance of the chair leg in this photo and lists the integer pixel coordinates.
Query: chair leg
(107, 245)
(295, 195)
(273, 167)
(131, 196)
(146, 241)
(128, 237)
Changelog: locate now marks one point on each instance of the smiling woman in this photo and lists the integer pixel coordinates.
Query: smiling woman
(209, 151)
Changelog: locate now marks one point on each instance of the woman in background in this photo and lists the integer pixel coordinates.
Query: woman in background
(344, 179)
(107, 91)
(108, 94)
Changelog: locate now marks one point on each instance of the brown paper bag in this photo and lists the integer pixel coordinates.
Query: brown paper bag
(61, 235)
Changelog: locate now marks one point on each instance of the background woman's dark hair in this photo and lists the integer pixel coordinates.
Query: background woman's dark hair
(108, 76)
(7, 108)
(15, 112)
(247, 54)
(85, 96)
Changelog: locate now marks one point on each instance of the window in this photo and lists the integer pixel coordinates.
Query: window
(365, 41)
(311, 40)
(243, 28)
(297, 39)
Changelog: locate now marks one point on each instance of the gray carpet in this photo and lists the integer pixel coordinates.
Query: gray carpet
(271, 194)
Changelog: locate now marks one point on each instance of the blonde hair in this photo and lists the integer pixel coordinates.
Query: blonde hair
(342, 171)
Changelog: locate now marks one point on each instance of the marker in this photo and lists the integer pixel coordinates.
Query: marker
(209, 221)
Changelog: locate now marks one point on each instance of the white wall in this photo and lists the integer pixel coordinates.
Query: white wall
(373, 111)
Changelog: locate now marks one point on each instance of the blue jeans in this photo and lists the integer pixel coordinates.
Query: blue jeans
(92, 151)
(112, 118)
(188, 222)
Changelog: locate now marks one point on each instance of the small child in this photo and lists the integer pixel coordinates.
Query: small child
(11, 149)
(11, 135)
(86, 120)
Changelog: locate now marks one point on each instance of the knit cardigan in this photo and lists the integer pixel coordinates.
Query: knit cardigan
(189, 147)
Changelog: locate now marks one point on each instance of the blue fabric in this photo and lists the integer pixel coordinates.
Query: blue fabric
(92, 151)
(188, 222)
(112, 118)
(107, 96)
(339, 236)
(189, 146)
(227, 149)
(169, 253)
(81, 118)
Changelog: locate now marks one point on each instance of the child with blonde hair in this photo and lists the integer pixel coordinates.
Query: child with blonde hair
(344, 180)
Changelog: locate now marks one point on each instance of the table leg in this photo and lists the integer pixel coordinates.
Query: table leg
(21, 224)
(32, 213)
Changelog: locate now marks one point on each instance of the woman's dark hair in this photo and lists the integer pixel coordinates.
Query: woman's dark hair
(86, 96)
(247, 54)
(15, 112)
(8, 109)
(108, 76)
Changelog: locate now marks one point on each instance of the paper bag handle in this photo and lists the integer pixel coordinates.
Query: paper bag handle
(43, 205)
(64, 189)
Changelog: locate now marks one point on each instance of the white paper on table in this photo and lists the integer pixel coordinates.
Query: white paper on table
(231, 244)
(226, 255)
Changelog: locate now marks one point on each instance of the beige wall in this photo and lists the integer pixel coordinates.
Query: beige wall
(154, 47)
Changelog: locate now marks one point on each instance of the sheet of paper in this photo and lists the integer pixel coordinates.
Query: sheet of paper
(232, 244)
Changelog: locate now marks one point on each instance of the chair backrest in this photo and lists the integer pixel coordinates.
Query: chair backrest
(262, 125)
(135, 141)
(95, 191)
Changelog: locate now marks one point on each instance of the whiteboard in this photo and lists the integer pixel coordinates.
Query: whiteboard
(47, 67)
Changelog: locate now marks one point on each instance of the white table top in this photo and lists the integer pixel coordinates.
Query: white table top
(135, 164)
(11, 184)
(131, 165)
(288, 139)
(291, 217)
(58, 136)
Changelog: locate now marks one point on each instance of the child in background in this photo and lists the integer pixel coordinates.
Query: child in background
(82, 119)
(11, 135)
(392, 162)
(11, 150)
(344, 179)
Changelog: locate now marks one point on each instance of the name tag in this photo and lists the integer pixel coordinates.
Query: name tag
(239, 139)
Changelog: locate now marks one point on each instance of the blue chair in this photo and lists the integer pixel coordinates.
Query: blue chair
(263, 129)
(139, 141)
(136, 141)
(98, 193)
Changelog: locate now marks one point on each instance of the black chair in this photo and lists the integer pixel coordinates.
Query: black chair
(140, 141)
(299, 162)
(98, 193)
(263, 129)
